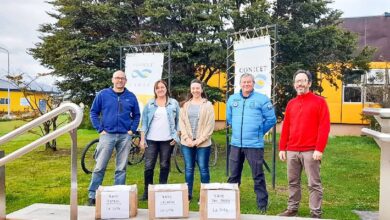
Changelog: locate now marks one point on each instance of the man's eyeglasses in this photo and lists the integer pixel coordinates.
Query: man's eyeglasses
(300, 81)
(120, 78)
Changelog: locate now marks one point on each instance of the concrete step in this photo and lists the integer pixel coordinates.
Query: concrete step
(41, 211)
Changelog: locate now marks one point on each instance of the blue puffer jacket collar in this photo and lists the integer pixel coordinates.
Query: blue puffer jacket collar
(250, 118)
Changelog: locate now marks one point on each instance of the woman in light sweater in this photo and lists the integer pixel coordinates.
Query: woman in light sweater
(197, 125)
(160, 124)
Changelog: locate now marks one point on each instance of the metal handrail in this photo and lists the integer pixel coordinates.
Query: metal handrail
(77, 116)
(382, 112)
(376, 134)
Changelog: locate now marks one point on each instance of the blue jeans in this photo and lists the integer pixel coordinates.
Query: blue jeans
(200, 155)
(107, 143)
(255, 157)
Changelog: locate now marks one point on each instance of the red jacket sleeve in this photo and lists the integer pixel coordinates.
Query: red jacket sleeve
(285, 130)
(323, 128)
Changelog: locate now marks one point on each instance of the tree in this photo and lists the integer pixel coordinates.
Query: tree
(82, 46)
(35, 93)
(310, 38)
(196, 31)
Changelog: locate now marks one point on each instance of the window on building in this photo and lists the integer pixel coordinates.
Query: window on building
(24, 102)
(366, 87)
(352, 90)
(3, 101)
(374, 90)
(352, 93)
(354, 77)
(376, 76)
(374, 94)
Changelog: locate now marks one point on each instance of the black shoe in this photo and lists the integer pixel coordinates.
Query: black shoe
(144, 197)
(289, 213)
(91, 202)
(189, 198)
(313, 215)
(263, 208)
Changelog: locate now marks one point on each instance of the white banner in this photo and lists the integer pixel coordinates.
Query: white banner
(142, 71)
(254, 56)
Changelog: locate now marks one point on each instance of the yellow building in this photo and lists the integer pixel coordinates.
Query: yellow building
(18, 102)
(346, 102)
(219, 80)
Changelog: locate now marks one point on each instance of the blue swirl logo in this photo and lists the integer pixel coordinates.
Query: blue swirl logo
(141, 73)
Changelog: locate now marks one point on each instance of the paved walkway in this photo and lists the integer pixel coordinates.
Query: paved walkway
(40, 211)
(367, 215)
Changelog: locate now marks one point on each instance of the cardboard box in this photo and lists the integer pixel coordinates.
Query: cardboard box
(119, 201)
(219, 201)
(168, 201)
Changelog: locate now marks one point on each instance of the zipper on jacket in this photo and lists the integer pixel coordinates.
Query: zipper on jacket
(242, 119)
(117, 114)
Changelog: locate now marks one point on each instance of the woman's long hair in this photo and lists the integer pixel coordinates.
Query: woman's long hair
(167, 95)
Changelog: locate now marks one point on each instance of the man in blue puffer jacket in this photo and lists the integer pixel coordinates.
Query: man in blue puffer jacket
(115, 115)
(251, 115)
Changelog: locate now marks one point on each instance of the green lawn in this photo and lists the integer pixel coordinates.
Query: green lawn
(350, 175)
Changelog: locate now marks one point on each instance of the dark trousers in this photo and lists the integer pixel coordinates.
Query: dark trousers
(255, 157)
(151, 153)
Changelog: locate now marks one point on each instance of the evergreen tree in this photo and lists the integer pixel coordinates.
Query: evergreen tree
(82, 46)
(310, 38)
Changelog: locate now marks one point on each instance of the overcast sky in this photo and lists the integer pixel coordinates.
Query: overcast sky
(20, 19)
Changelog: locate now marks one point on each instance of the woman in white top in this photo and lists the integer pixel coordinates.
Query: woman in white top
(160, 124)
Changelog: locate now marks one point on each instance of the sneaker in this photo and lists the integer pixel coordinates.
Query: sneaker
(263, 211)
(144, 197)
(91, 202)
(313, 215)
(289, 213)
(189, 198)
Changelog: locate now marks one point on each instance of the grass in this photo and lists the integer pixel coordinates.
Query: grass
(350, 176)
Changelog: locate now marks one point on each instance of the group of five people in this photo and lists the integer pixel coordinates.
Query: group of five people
(115, 115)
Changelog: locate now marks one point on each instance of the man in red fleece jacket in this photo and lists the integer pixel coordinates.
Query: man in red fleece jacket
(303, 139)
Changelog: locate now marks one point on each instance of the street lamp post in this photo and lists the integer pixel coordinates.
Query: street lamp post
(8, 94)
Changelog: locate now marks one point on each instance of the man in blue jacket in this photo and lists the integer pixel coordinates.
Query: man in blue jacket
(250, 115)
(115, 115)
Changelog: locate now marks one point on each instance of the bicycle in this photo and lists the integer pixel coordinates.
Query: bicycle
(179, 159)
(136, 155)
(89, 151)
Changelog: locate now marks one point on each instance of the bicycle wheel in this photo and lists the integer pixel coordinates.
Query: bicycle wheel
(179, 158)
(135, 155)
(213, 153)
(88, 156)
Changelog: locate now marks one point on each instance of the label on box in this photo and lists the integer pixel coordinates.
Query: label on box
(221, 204)
(115, 204)
(119, 188)
(168, 187)
(168, 204)
(219, 186)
